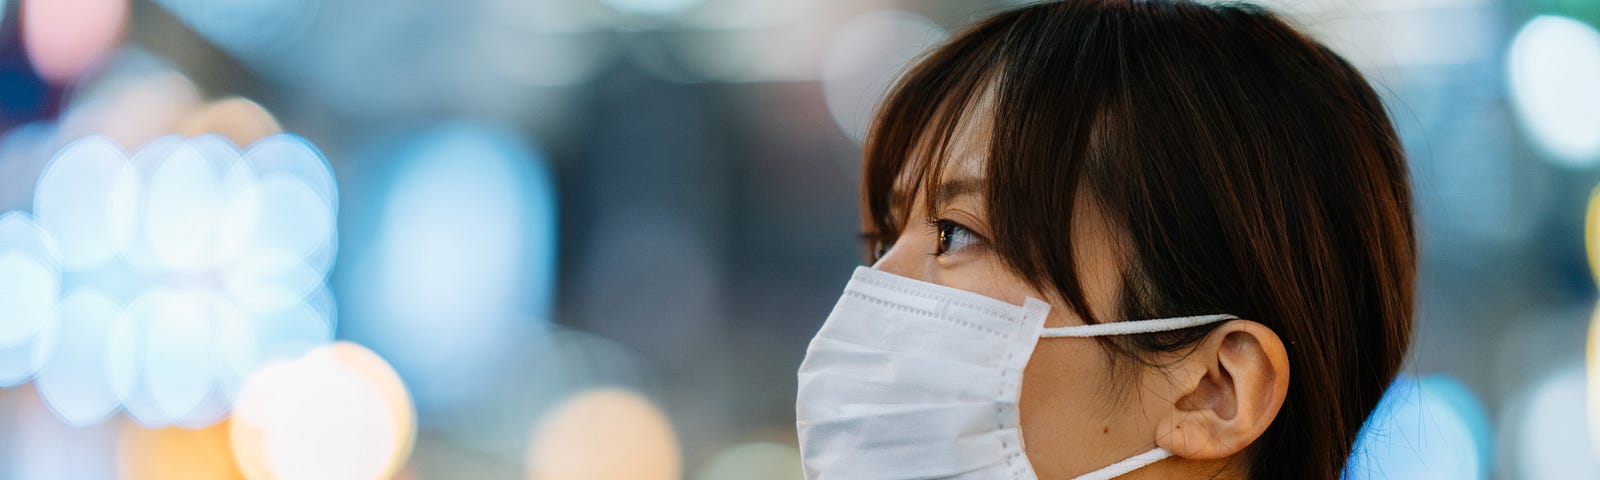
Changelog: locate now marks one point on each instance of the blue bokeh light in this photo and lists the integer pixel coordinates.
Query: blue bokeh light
(292, 331)
(87, 198)
(220, 257)
(1551, 69)
(183, 196)
(1422, 429)
(30, 286)
(548, 369)
(460, 264)
(29, 279)
(75, 381)
(300, 199)
(1549, 428)
(250, 28)
(652, 7)
(175, 354)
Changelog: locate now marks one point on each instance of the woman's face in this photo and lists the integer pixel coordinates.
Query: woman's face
(1077, 415)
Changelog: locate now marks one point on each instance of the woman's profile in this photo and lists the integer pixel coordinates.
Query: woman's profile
(1158, 239)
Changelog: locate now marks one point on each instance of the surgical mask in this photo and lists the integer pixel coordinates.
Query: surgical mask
(912, 380)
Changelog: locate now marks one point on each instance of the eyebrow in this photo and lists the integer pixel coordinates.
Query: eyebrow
(945, 192)
(952, 189)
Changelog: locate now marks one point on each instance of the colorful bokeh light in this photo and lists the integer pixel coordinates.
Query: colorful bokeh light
(1423, 429)
(64, 38)
(865, 57)
(1553, 66)
(462, 266)
(188, 265)
(339, 412)
(604, 434)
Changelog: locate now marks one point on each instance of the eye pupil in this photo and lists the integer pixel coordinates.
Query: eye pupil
(944, 237)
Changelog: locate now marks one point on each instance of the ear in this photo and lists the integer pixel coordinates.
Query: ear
(1227, 392)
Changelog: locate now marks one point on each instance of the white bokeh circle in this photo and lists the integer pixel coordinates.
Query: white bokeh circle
(76, 380)
(87, 198)
(29, 289)
(864, 59)
(220, 254)
(1554, 73)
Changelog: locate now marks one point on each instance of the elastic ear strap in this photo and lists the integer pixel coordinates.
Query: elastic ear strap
(1123, 467)
(1135, 326)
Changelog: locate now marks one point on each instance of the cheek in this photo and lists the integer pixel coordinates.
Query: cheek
(1070, 423)
(988, 277)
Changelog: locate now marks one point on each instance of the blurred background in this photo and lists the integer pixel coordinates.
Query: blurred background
(590, 239)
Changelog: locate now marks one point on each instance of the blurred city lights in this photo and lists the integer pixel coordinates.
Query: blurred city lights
(176, 277)
(30, 286)
(292, 330)
(776, 41)
(184, 191)
(865, 57)
(1466, 407)
(87, 197)
(402, 414)
(66, 37)
(157, 454)
(1383, 33)
(220, 256)
(652, 7)
(38, 446)
(1591, 233)
(174, 351)
(604, 434)
(249, 28)
(1592, 367)
(29, 279)
(1553, 67)
(135, 98)
(764, 460)
(238, 119)
(75, 380)
(1422, 429)
(1550, 440)
(339, 412)
(463, 261)
(544, 372)
(537, 44)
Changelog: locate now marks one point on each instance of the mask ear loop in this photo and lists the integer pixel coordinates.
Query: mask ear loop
(1123, 467)
(1127, 328)
(1135, 326)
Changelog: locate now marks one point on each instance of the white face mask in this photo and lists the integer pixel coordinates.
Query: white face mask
(912, 380)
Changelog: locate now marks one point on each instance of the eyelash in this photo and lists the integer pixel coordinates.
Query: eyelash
(945, 231)
(880, 244)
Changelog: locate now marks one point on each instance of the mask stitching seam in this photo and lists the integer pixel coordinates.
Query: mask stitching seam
(999, 415)
(1011, 460)
(928, 314)
(1008, 317)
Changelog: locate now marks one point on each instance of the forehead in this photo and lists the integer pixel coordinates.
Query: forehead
(965, 151)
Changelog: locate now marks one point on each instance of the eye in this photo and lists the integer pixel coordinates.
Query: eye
(953, 237)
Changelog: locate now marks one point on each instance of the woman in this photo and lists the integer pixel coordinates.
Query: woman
(1161, 239)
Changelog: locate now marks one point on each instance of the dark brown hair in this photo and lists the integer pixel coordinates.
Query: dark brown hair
(1251, 170)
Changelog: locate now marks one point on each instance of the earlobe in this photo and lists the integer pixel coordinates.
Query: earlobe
(1226, 392)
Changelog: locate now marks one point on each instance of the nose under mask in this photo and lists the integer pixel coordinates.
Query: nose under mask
(913, 380)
